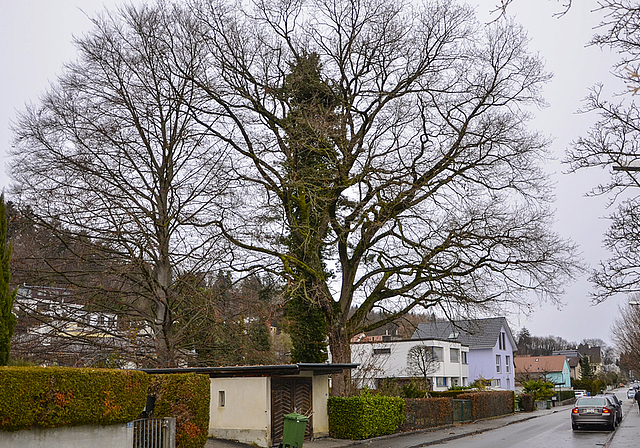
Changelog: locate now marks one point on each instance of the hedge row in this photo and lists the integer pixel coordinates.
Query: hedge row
(422, 413)
(365, 416)
(526, 402)
(490, 404)
(185, 397)
(448, 393)
(55, 396)
(566, 395)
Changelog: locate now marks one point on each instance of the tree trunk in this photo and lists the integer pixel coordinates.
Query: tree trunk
(340, 354)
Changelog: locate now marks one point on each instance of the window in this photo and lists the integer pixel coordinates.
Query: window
(455, 382)
(221, 398)
(507, 363)
(454, 355)
(465, 381)
(464, 358)
(438, 354)
(381, 351)
(508, 384)
(441, 381)
(498, 363)
(495, 383)
(502, 341)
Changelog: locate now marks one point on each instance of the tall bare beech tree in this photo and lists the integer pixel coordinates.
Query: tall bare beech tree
(112, 160)
(429, 193)
(614, 143)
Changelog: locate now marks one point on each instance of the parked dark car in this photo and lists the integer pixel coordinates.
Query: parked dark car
(617, 403)
(593, 411)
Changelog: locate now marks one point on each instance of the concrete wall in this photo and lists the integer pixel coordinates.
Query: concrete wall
(245, 415)
(94, 436)
(320, 385)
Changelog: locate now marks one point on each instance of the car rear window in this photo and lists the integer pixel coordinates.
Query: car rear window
(591, 401)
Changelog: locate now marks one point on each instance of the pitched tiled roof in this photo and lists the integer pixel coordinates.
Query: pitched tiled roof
(532, 364)
(475, 333)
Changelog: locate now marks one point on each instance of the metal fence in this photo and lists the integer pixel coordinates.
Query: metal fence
(154, 433)
(462, 411)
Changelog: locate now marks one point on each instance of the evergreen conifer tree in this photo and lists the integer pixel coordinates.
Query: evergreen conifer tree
(7, 295)
(308, 127)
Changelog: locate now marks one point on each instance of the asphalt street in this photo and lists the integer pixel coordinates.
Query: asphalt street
(550, 428)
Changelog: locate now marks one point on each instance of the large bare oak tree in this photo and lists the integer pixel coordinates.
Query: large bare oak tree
(614, 143)
(429, 193)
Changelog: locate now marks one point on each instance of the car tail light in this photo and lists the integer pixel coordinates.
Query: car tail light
(606, 411)
(575, 411)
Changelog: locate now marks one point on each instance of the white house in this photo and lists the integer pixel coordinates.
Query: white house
(491, 346)
(378, 360)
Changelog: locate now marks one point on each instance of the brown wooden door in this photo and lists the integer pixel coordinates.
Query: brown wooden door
(290, 395)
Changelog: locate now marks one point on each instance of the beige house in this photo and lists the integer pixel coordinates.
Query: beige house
(248, 403)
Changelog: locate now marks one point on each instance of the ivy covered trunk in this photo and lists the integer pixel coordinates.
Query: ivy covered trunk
(340, 354)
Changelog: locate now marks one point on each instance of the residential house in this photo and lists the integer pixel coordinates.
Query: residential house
(57, 328)
(595, 356)
(554, 369)
(575, 355)
(248, 403)
(491, 346)
(575, 371)
(444, 363)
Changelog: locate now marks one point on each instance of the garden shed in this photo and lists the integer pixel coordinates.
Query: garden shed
(248, 403)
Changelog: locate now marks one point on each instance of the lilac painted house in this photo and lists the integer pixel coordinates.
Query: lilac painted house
(491, 346)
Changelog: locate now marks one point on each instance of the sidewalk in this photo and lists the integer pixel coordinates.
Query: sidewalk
(413, 439)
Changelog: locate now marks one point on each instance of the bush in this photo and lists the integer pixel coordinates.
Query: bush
(365, 416)
(185, 397)
(50, 397)
(566, 395)
(421, 413)
(526, 401)
(451, 393)
(541, 390)
(413, 390)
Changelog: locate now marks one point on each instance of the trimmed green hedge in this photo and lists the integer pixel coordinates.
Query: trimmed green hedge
(365, 416)
(185, 397)
(566, 395)
(49, 397)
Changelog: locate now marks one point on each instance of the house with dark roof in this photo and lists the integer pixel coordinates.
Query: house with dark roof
(575, 355)
(491, 346)
(554, 369)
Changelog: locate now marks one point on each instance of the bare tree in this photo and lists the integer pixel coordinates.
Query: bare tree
(429, 194)
(613, 143)
(113, 163)
(626, 335)
(422, 361)
(501, 8)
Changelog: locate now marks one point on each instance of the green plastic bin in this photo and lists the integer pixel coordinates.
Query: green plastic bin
(293, 432)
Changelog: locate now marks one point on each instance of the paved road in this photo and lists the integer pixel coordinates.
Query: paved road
(546, 428)
(551, 431)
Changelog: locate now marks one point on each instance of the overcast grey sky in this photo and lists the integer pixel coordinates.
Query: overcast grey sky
(35, 42)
